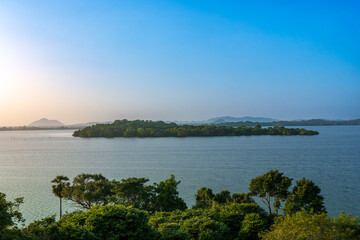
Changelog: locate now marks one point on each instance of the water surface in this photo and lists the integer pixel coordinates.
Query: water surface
(29, 160)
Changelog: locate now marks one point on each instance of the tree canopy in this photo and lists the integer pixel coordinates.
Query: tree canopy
(88, 190)
(305, 196)
(305, 225)
(61, 182)
(271, 185)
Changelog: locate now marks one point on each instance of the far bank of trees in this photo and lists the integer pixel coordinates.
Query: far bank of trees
(134, 209)
(141, 128)
(310, 122)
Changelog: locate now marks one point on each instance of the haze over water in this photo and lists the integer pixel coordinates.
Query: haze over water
(29, 160)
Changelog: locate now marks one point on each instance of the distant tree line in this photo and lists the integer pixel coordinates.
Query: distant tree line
(25, 128)
(141, 128)
(311, 122)
(133, 209)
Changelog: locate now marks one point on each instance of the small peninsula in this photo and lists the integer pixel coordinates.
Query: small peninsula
(144, 128)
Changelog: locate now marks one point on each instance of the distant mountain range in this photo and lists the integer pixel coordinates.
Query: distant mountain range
(239, 119)
(46, 123)
(227, 119)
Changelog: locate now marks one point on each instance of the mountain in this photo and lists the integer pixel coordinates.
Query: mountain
(46, 123)
(241, 119)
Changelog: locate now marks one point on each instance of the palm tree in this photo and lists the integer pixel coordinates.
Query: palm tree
(58, 188)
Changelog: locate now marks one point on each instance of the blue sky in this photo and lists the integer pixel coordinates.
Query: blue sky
(79, 61)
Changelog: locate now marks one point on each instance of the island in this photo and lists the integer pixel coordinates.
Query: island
(146, 128)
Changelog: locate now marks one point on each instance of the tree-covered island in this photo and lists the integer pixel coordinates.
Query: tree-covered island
(141, 128)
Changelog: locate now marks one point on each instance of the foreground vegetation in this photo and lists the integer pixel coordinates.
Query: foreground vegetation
(141, 128)
(133, 209)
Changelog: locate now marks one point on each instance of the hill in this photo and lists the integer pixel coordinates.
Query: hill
(46, 123)
(239, 119)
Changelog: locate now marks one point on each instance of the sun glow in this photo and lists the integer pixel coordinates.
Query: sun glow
(4, 90)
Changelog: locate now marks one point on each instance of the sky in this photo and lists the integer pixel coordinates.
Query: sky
(85, 60)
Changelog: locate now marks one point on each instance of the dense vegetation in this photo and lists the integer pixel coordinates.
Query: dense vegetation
(133, 209)
(141, 128)
(311, 122)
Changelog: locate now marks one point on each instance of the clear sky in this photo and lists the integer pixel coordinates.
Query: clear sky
(80, 61)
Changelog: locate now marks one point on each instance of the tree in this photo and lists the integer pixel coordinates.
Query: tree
(222, 197)
(303, 225)
(88, 190)
(305, 196)
(202, 227)
(242, 198)
(61, 182)
(10, 216)
(49, 229)
(167, 197)
(115, 222)
(204, 198)
(111, 222)
(172, 231)
(252, 225)
(271, 185)
(134, 192)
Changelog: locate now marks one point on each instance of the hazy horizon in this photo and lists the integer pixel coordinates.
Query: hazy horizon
(166, 120)
(83, 61)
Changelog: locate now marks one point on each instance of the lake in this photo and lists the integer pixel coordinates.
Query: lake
(29, 160)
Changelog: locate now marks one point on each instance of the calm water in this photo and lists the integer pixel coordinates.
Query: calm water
(29, 160)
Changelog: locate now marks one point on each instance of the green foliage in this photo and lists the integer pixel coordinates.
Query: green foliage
(305, 225)
(252, 225)
(162, 196)
(271, 185)
(38, 228)
(222, 197)
(48, 229)
(242, 198)
(141, 128)
(167, 197)
(305, 196)
(88, 190)
(346, 227)
(204, 198)
(234, 214)
(9, 212)
(61, 182)
(118, 222)
(215, 216)
(227, 218)
(172, 231)
(10, 217)
(133, 192)
(99, 223)
(201, 227)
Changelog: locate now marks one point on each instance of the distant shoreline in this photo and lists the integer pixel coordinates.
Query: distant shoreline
(34, 128)
(301, 123)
